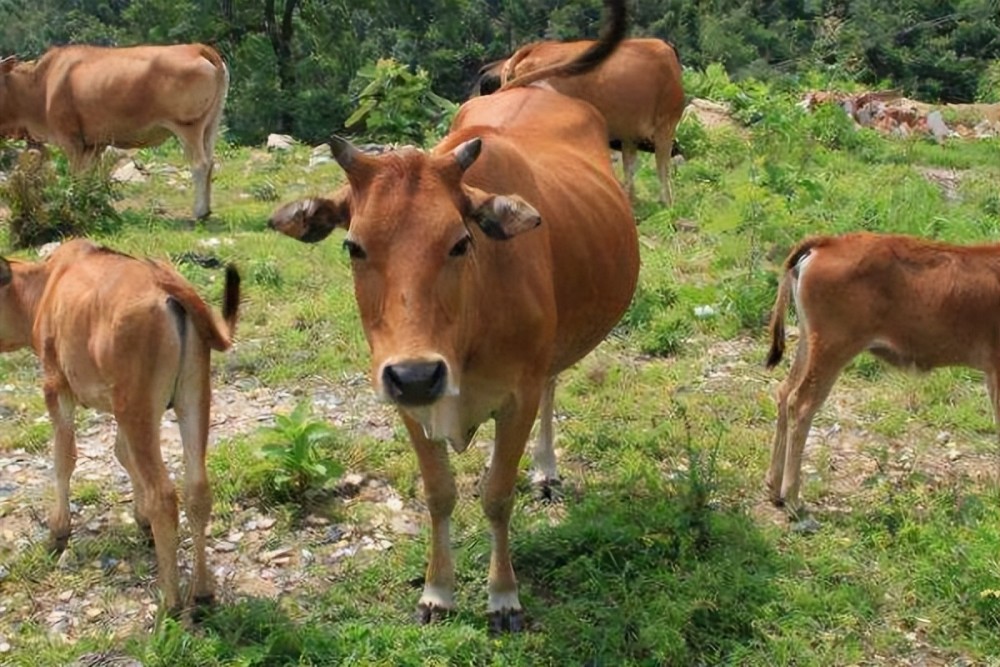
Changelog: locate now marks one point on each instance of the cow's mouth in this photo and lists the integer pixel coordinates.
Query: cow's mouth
(415, 383)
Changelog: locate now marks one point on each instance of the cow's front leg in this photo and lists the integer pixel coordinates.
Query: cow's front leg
(439, 491)
(513, 428)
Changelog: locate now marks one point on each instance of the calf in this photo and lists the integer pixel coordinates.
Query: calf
(131, 338)
(914, 303)
(84, 98)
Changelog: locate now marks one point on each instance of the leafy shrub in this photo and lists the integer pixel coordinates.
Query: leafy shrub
(397, 105)
(47, 204)
(692, 139)
(299, 447)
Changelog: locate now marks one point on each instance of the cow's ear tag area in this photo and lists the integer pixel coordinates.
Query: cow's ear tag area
(502, 217)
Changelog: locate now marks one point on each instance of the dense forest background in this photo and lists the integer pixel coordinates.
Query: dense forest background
(301, 66)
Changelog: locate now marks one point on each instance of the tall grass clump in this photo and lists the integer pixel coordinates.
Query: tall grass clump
(48, 204)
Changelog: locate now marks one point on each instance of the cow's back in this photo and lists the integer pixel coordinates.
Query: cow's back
(101, 315)
(637, 89)
(129, 97)
(552, 151)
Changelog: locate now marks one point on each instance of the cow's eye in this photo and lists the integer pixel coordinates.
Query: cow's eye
(461, 248)
(354, 250)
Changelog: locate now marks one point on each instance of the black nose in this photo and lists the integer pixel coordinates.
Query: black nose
(415, 383)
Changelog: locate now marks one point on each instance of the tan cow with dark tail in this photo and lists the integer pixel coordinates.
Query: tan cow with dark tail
(638, 90)
(131, 338)
(85, 98)
(482, 269)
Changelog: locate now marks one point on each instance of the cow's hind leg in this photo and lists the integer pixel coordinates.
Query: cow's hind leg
(124, 455)
(544, 474)
(629, 156)
(192, 404)
(513, 426)
(663, 145)
(824, 361)
(61, 409)
(193, 139)
(438, 597)
(776, 468)
(142, 431)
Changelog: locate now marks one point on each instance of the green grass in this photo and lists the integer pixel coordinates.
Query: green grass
(664, 551)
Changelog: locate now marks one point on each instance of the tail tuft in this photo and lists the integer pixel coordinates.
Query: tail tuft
(231, 298)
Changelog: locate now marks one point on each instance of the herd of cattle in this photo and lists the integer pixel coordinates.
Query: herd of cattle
(516, 211)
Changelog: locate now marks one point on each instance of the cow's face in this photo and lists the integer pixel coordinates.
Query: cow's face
(409, 221)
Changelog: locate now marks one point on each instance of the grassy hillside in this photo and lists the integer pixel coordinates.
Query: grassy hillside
(664, 550)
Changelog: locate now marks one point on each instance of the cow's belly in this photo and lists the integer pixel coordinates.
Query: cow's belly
(144, 138)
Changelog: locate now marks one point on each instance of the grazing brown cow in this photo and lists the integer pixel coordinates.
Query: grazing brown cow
(482, 269)
(85, 98)
(914, 303)
(132, 338)
(638, 90)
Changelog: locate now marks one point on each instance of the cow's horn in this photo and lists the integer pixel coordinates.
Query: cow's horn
(343, 151)
(467, 152)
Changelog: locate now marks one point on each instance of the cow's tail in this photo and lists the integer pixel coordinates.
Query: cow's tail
(777, 325)
(222, 88)
(217, 332)
(612, 33)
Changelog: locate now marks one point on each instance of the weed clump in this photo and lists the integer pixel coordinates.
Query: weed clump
(46, 205)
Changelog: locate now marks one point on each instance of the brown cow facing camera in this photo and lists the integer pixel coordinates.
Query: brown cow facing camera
(85, 98)
(131, 338)
(911, 302)
(482, 269)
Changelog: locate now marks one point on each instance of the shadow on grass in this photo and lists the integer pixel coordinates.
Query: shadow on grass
(643, 576)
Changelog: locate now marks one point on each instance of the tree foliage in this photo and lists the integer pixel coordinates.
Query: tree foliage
(299, 65)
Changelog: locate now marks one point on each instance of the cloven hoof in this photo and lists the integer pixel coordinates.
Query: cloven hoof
(430, 613)
(548, 490)
(506, 620)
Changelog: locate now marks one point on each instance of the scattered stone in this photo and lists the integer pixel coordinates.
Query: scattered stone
(280, 142)
(807, 526)
(316, 521)
(274, 554)
(129, 172)
(223, 546)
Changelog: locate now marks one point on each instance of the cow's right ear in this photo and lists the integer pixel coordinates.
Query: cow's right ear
(7, 64)
(312, 220)
(6, 274)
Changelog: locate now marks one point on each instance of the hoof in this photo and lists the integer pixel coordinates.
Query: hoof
(548, 490)
(506, 620)
(202, 608)
(431, 613)
(58, 544)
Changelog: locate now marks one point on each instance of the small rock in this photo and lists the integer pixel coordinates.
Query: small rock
(4, 646)
(66, 596)
(224, 547)
(316, 521)
(280, 142)
(806, 526)
(92, 612)
(270, 556)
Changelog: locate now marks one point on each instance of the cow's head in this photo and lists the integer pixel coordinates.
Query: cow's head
(410, 233)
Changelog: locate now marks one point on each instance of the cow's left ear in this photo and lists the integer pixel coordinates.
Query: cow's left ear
(7, 64)
(312, 220)
(501, 216)
(6, 275)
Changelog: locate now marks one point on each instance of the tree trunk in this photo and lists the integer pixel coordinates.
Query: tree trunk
(281, 41)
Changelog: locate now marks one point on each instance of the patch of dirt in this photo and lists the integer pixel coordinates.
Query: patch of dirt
(712, 114)
(254, 555)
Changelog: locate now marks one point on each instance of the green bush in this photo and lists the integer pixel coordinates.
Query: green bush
(299, 447)
(398, 105)
(47, 204)
(989, 84)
